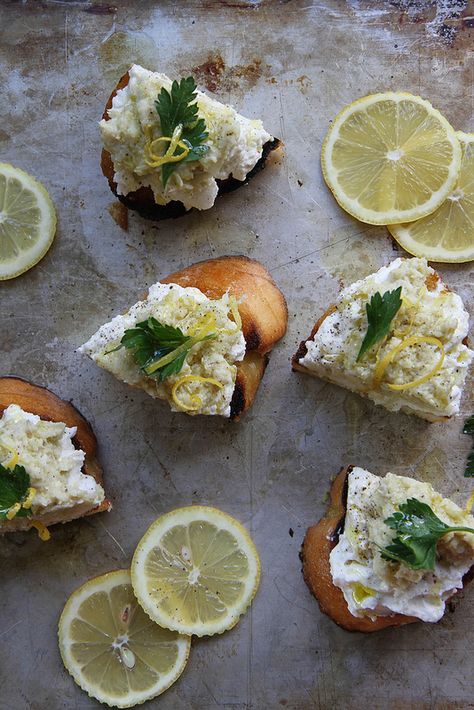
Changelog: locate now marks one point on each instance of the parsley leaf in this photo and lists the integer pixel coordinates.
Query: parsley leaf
(469, 429)
(179, 108)
(380, 312)
(418, 530)
(152, 342)
(14, 485)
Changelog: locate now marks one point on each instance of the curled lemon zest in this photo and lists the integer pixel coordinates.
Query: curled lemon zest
(30, 494)
(204, 324)
(14, 457)
(234, 309)
(234, 312)
(195, 399)
(154, 160)
(388, 358)
(13, 511)
(43, 532)
(470, 503)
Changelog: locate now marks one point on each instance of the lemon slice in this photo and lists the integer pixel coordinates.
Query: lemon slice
(27, 221)
(446, 235)
(112, 649)
(390, 158)
(196, 570)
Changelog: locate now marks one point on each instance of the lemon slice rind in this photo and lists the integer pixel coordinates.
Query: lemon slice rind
(404, 233)
(25, 258)
(370, 216)
(150, 600)
(105, 583)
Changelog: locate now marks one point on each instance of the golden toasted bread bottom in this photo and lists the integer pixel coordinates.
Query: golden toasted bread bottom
(319, 540)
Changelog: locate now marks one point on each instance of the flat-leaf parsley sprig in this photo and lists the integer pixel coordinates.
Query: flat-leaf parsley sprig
(160, 350)
(380, 312)
(418, 530)
(182, 129)
(16, 493)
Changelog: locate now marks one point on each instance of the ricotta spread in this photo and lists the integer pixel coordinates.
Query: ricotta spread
(235, 143)
(46, 451)
(428, 309)
(375, 587)
(180, 307)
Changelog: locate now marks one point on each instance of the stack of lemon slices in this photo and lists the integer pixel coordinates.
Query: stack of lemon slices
(393, 159)
(125, 637)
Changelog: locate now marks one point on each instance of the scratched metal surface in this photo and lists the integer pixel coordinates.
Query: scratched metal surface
(295, 64)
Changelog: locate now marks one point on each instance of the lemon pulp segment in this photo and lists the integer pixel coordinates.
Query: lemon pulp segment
(27, 221)
(112, 648)
(390, 158)
(196, 570)
(446, 235)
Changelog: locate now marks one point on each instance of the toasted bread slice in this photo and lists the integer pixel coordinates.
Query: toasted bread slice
(40, 401)
(143, 201)
(262, 308)
(319, 540)
(349, 381)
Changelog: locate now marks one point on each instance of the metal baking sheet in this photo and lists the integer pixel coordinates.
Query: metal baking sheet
(294, 64)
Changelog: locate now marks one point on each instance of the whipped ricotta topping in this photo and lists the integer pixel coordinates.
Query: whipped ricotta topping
(235, 143)
(375, 587)
(428, 309)
(46, 451)
(180, 307)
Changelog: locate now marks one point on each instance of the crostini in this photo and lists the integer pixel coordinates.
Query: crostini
(200, 339)
(49, 471)
(398, 337)
(168, 148)
(364, 577)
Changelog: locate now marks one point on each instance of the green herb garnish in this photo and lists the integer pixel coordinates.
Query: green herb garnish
(469, 429)
(418, 530)
(178, 109)
(160, 350)
(14, 488)
(380, 312)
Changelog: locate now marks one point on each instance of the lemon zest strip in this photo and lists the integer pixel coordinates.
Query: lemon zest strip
(388, 358)
(43, 532)
(154, 160)
(470, 503)
(13, 511)
(185, 347)
(31, 492)
(360, 592)
(195, 399)
(205, 323)
(14, 457)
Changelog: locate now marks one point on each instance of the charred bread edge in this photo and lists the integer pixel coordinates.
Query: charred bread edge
(325, 535)
(91, 465)
(143, 201)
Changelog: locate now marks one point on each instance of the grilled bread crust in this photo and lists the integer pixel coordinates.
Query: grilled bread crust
(431, 283)
(319, 540)
(262, 308)
(41, 401)
(143, 201)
